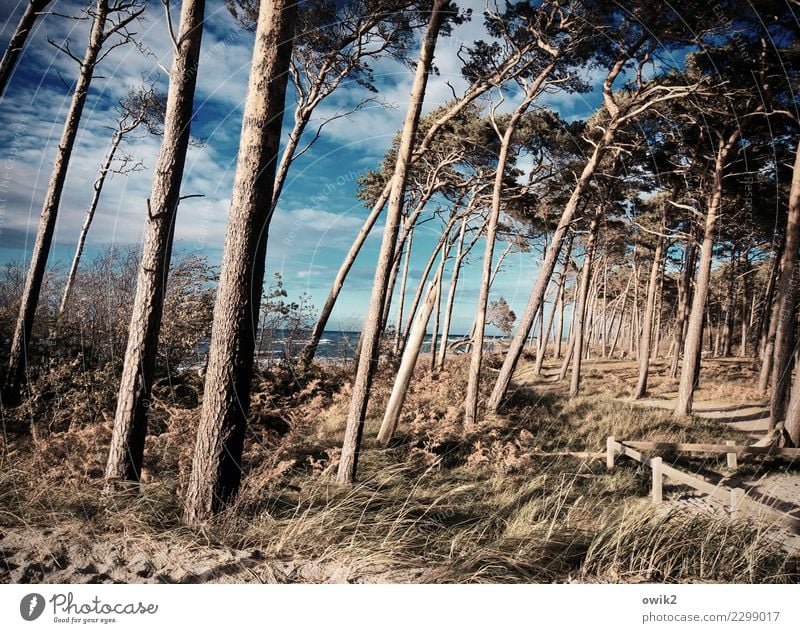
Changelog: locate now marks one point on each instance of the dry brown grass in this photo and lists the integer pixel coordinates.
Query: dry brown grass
(440, 504)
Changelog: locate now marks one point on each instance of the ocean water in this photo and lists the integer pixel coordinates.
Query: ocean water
(335, 345)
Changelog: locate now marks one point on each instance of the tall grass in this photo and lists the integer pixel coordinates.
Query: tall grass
(439, 505)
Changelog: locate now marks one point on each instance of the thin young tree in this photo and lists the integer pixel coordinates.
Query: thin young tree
(142, 107)
(650, 304)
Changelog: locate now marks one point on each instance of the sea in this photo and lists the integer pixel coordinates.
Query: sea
(335, 345)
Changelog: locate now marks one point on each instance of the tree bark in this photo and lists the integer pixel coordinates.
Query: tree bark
(17, 364)
(368, 359)
(18, 39)
(216, 468)
(785, 298)
(766, 331)
(793, 229)
(694, 334)
(644, 347)
(133, 398)
(437, 303)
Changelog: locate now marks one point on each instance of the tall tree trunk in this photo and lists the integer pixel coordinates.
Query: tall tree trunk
(401, 299)
(659, 307)
(615, 340)
(216, 467)
(766, 321)
(558, 296)
(368, 359)
(87, 223)
(768, 335)
(451, 295)
(694, 334)
(583, 294)
(17, 41)
(473, 377)
(437, 305)
(604, 330)
(546, 270)
(133, 399)
(395, 270)
(29, 300)
(745, 305)
(792, 231)
(785, 298)
(730, 308)
(684, 301)
(644, 347)
(571, 333)
(559, 333)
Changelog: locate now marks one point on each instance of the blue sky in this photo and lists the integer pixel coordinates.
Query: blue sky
(318, 215)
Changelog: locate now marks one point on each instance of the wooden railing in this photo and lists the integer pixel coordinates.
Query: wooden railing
(736, 498)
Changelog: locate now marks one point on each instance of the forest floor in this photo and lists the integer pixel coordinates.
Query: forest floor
(523, 497)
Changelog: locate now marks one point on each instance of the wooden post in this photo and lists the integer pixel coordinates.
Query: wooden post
(658, 495)
(732, 463)
(737, 496)
(610, 452)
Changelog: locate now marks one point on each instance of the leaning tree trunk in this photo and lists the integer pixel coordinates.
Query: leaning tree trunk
(437, 303)
(310, 348)
(473, 377)
(17, 41)
(557, 296)
(558, 335)
(580, 314)
(133, 399)
(401, 298)
(476, 90)
(451, 294)
(785, 299)
(694, 333)
(368, 360)
(793, 410)
(98, 188)
(766, 331)
(412, 312)
(644, 346)
(17, 363)
(684, 296)
(546, 270)
(410, 355)
(216, 468)
(730, 308)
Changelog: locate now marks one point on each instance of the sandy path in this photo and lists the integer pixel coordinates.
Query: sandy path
(64, 556)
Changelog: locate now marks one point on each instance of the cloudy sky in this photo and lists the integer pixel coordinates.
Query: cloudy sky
(318, 215)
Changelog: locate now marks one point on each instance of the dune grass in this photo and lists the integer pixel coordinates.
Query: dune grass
(444, 503)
